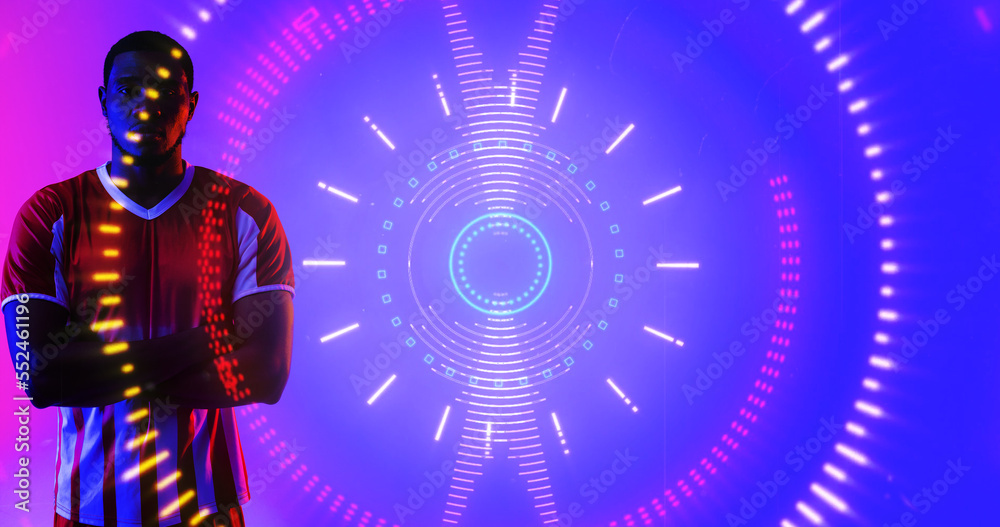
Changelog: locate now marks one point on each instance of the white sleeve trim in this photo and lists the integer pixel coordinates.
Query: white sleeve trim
(36, 296)
(262, 289)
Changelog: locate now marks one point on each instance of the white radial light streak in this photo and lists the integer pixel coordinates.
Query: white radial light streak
(627, 131)
(621, 394)
(830, 498)
(562, 95)
(444, 418)
(809, 513)
(324, 263)
(662, 195)
(440, 93)
(835, 472)
(380, 134)
(381, 389)
(338, 192)
(677, 265)
(851, 454)
(559, 432)
(340, 332)
(813, 21)
(663, 336)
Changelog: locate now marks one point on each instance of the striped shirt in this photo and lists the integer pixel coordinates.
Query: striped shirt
(133, 273)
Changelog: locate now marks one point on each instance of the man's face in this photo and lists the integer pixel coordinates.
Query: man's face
(148, 106)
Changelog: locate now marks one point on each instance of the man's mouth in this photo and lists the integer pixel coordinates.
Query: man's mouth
(144, 134)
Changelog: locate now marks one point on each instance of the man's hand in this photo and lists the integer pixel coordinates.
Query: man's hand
(71, 366)
(255, 371)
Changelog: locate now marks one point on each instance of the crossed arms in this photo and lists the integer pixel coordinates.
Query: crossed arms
(82, 372)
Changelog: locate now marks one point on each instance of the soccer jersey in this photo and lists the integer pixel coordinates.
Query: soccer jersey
(133, 273)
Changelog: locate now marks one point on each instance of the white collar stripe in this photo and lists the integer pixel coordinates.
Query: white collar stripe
(133, 207)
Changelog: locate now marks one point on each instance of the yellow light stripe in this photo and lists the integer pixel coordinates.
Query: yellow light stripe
(198, 517)
(136, 415)
(175, 506)
(109, 229)
(111, 253)
(120, 182)
(145, 465)
(139, 440)
(114, 204)
(106, 277)
(163, 72)
(163, 483)
(106, 325)
(132, 392)
(127, 159)
(176, 53)
(115, 347)
(110, 301)
(128, 368)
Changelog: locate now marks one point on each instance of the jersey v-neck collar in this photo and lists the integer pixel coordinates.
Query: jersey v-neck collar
(140, 211)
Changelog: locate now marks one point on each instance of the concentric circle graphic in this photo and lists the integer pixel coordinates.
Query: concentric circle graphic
(504, 249)
(523, 214)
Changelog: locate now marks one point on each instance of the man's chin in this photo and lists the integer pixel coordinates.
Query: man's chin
(150, 159)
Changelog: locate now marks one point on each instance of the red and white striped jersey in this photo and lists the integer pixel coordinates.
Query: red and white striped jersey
(133, 273)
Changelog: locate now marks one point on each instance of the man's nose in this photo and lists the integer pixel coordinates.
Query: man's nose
(147, 106)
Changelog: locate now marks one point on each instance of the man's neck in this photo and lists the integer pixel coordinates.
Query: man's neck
(147, 185)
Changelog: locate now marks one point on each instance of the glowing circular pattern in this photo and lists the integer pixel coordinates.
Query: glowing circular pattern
(496, 188)
(509, 249)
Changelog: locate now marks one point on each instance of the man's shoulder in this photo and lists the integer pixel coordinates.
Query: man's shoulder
(241, 195)
(214, 183)
(52, 198)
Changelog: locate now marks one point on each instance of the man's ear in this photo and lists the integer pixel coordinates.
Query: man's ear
(192, 105)
(102, 96)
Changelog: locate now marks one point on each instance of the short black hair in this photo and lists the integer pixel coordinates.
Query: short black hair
(150, 41)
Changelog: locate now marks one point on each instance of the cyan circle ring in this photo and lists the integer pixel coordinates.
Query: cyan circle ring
(515, 304)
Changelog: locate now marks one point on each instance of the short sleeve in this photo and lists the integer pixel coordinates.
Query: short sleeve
(34, 262)
(265, 259)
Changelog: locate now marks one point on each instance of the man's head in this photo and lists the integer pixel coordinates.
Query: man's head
(147, 96)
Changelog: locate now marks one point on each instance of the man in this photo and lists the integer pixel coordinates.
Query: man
(120, 289)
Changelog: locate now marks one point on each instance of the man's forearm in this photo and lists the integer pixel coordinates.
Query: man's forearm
(224, 381)
(88, 374)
